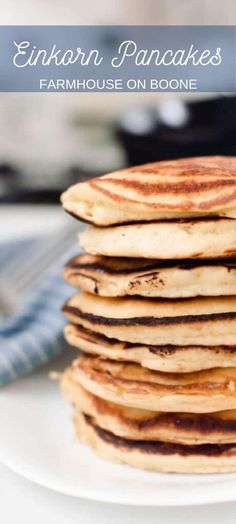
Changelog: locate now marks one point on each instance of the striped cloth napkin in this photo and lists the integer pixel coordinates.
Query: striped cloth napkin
(33, 334)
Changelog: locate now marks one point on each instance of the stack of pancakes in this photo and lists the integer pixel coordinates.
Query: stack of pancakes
(155, 386)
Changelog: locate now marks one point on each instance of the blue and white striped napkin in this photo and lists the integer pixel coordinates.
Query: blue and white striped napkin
(33, 335)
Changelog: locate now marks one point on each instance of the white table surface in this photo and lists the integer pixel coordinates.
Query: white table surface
(23, 221)
(24, 502)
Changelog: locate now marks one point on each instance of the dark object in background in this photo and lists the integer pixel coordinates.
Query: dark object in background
(16, 189)
(171, 129)
(177, 129)
(9, 177)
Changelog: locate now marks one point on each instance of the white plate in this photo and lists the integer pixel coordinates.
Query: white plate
(37, 442)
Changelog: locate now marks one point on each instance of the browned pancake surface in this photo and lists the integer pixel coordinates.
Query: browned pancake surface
(168, 358)
(134, 386)
(140, 424)
(180, 188)
(163, 448)
(157, 456)
(197, 321)
(111, 277)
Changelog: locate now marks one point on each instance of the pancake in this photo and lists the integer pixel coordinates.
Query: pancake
(139, 424)
(156, 456)
(189, 187)
(117, 277)
(200, 321)
(194, 239)
(137, 387)
(176, 359)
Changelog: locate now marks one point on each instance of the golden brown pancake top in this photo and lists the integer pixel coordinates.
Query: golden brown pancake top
(183, 188)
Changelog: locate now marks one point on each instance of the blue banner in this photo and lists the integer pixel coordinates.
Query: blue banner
(117, 59)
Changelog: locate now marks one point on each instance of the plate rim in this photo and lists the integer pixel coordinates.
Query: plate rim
(222, 490)
(100, 496)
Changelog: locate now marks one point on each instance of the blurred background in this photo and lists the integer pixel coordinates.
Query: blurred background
(50, 141)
